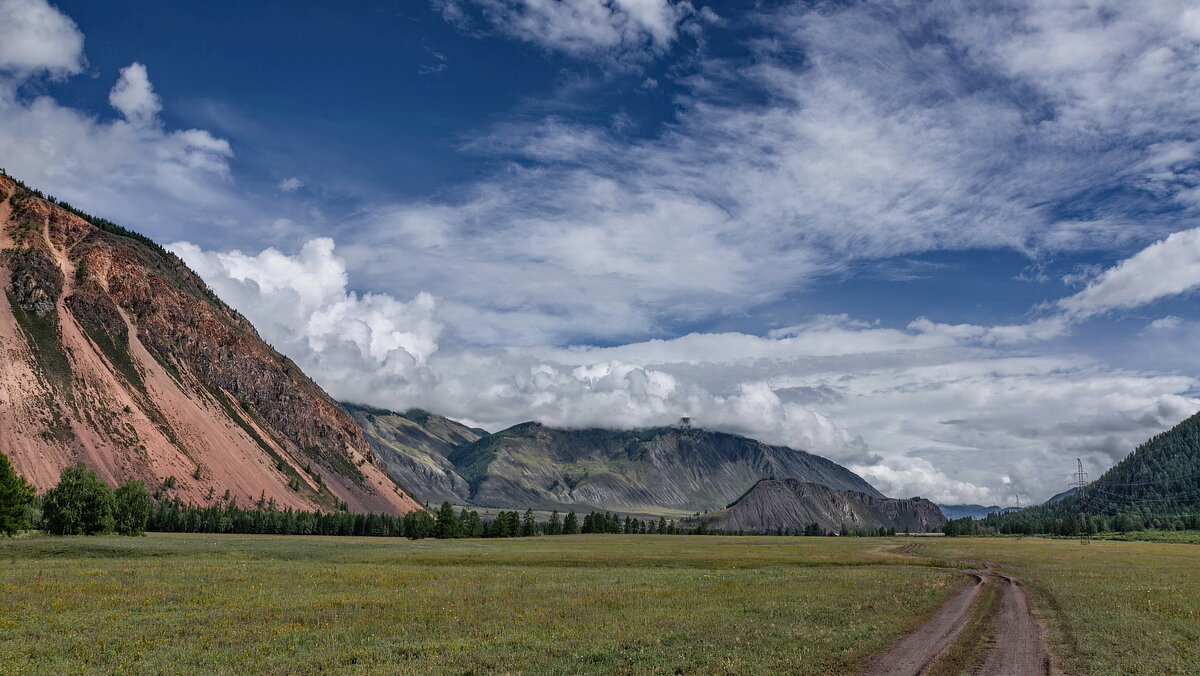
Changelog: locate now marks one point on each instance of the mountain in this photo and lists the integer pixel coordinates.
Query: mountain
(115, 354)
(1158, 485)
(666, 470)
(1060, 496)
(415, 448)
(973, 511)
(791, 505)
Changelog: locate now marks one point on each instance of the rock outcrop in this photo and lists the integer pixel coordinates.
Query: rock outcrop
(790, 505)
(117, 355)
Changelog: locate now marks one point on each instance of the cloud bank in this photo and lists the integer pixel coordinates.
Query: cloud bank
(898, 405)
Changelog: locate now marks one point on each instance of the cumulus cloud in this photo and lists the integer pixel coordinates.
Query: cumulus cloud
(37, 38)
(582, 28)
(290, 184)
(132, 169)
(134, 96)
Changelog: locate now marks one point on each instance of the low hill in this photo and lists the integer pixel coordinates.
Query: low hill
(667, 470)
(790, 505)
(115, 354)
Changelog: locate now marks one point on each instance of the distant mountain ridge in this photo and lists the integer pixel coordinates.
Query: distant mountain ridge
(790, 505)
(973, 511)
(668, 470)
(116, 355)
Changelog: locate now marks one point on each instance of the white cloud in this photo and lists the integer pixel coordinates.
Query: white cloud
(1163, 269)
(37, 38)
(870, 148)
(134, 96)
(584, 28)
(290, 184)
(935, 410)
(132, 170)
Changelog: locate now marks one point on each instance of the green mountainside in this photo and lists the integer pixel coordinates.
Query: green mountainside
(1156, 486)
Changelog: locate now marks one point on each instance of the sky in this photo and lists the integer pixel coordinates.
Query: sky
(951, 245)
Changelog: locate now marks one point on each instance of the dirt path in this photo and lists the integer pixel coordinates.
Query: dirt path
(915, 652)
(1020, 646)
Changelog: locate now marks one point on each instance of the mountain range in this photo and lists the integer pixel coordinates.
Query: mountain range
(1157, 485)
(663, 470)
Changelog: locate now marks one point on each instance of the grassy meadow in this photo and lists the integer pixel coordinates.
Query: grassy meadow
(598, 604)
(595, 604)
(1110, 607)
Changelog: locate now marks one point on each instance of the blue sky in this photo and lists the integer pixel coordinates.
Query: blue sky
(949, 245)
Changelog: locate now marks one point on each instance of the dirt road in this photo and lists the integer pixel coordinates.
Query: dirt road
(1019, 649)
(914, 653)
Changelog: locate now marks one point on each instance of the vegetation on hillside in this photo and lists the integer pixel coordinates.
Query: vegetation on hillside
(1155, 487)
(16, 495)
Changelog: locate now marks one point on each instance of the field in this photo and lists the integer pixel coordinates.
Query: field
(1111, 607)
(580, 604)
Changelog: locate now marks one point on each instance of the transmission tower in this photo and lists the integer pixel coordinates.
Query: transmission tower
(1078, 484)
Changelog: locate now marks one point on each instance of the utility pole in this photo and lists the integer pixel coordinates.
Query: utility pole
(1079, 483)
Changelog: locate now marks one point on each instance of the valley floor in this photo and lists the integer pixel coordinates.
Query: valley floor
(580, 604)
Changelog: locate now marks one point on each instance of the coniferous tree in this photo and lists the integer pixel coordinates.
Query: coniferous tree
(473, 525)
(554, 526)
(16, 494)
(418, 524)
(528, 524)
(447, 522)
(571, 524)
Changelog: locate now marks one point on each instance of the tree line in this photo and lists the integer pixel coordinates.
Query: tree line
(80, 504)
(83, 504)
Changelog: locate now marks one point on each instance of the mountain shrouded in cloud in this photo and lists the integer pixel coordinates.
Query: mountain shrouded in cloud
(841, 227)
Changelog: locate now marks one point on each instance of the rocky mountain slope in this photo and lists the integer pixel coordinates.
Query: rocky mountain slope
(664, 470)
(415, 448)
(117, 355)
(791, 505)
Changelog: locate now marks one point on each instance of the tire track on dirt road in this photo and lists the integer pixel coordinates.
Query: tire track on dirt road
(1020, 645)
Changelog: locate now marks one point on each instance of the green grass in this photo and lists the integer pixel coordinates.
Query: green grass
(582, 604)
(1111, 607)
(596, 604)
